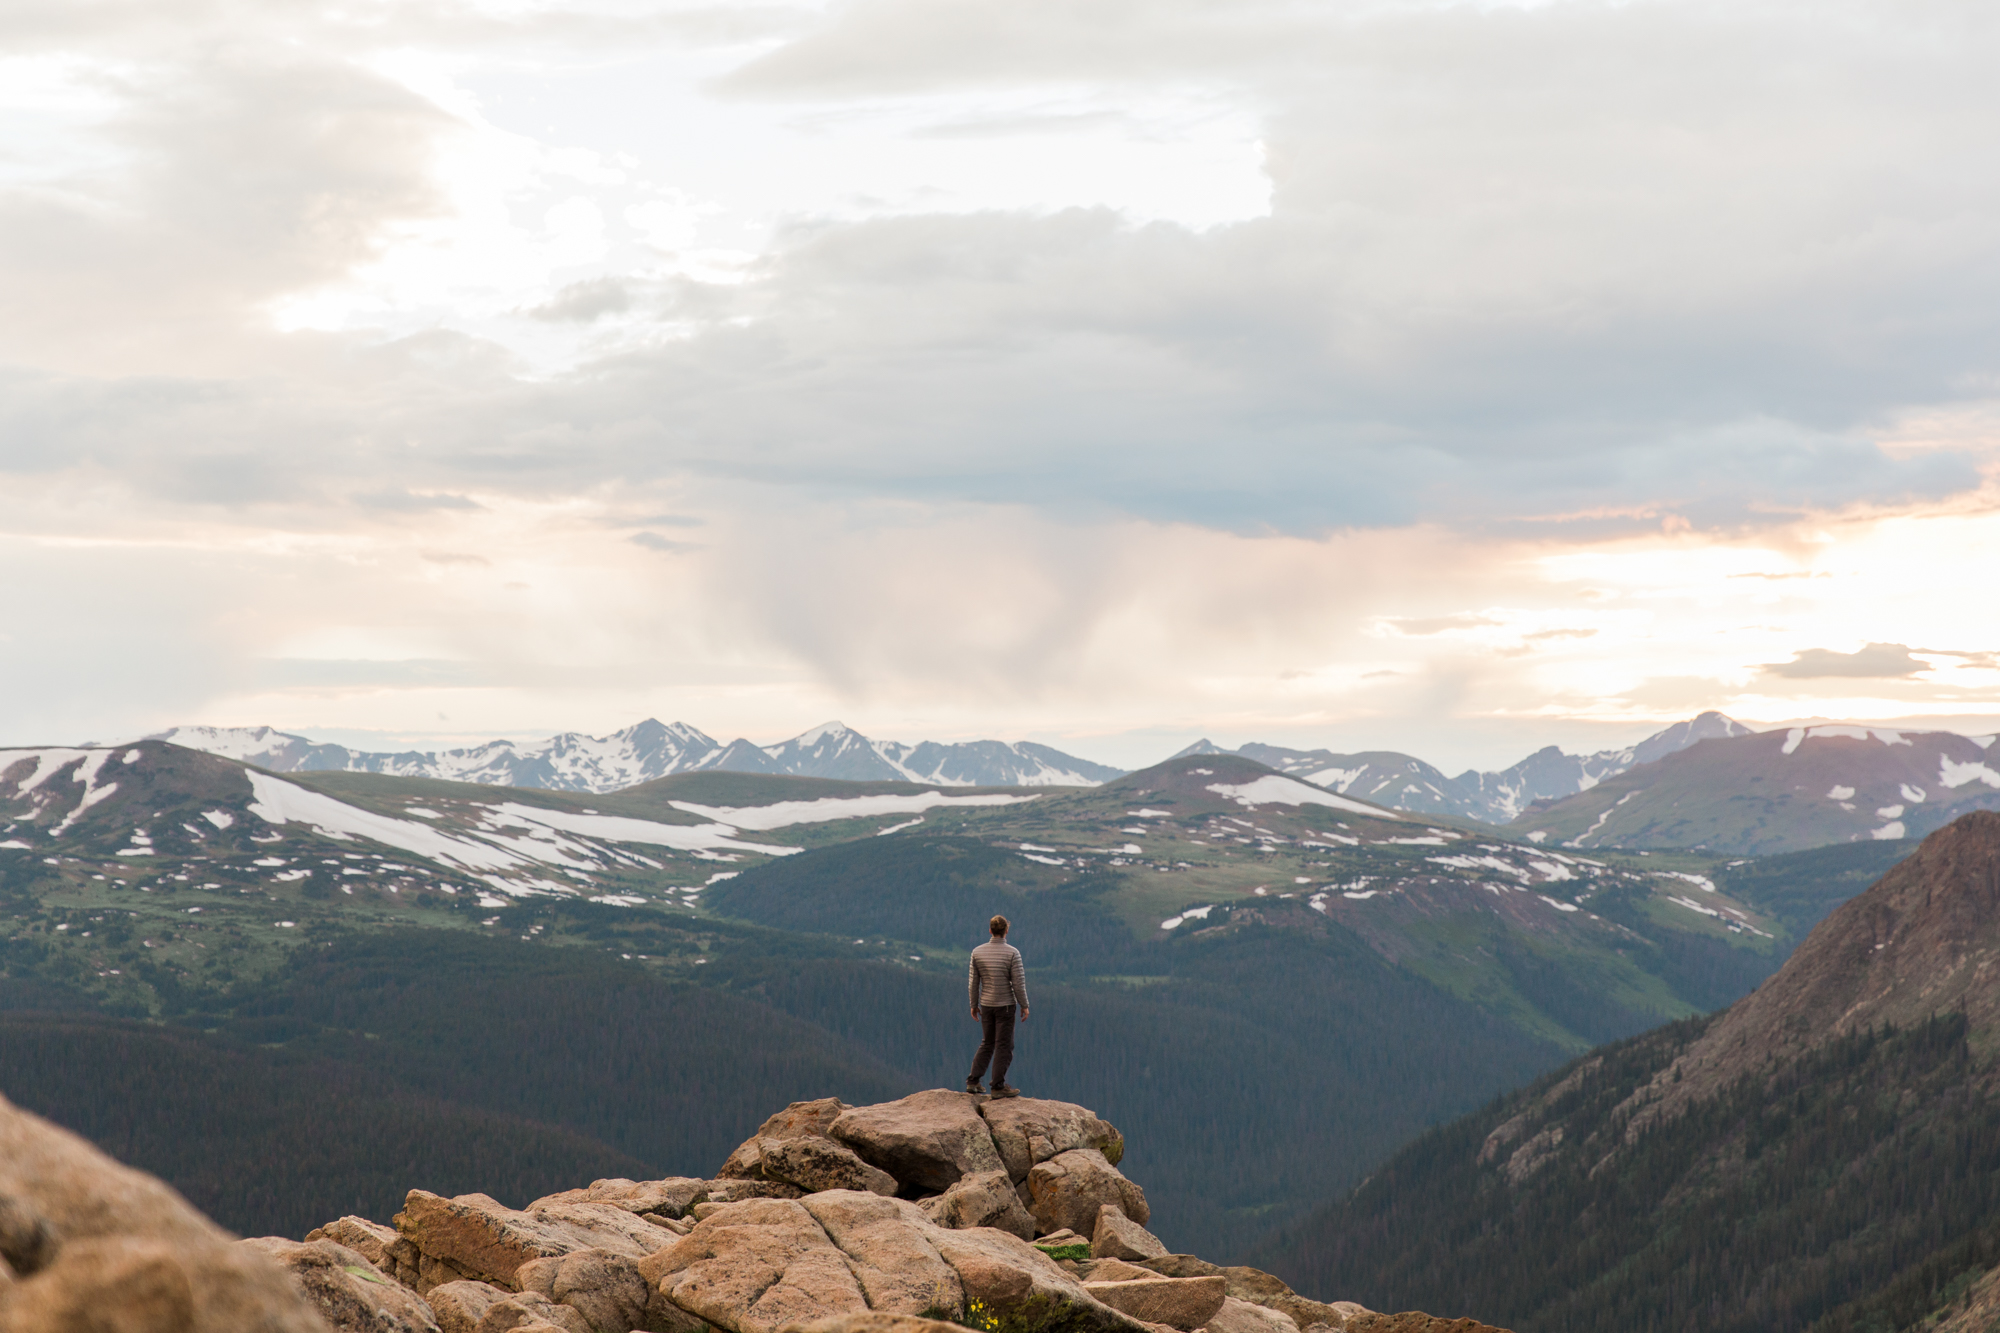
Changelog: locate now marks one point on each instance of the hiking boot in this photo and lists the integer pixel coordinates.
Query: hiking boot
(972, 1086)
(1005, 1090)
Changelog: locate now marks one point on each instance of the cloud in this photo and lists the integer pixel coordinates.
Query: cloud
(1877, 660)
(1439, 624)
(653, 541)
(413, 502)
(586, 301)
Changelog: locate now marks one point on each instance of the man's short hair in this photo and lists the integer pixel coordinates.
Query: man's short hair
(998, 925)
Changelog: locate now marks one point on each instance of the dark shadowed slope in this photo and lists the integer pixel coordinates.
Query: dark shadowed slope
(1833, 1137)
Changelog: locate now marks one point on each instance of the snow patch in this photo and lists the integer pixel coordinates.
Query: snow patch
(1957, 775)
(1889, 831)
(1479, 862)
(784, 814)
(1839, 793)
(1191, 914)
(1799, 735)
(898, 828)
(1273, 789)
(219, 818)
(1890, 812)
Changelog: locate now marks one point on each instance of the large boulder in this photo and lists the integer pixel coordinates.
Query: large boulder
(1018, 1282)
(481, 1307)
(474, 1236)
(1244, 1317)
(1027, 1130)
(1413, 1321)
(737, 1189)
(983, 1199)
(1119, 1237)
(605, 1288)
(1178, 1302)
(800, 1120)
(1069, 1188)
(928, 1141)
(821, 1164)
(670, 1198)
(875, 1322)
(756, 1267)
(91, 1244)
(347, 1289)
(371, 1240)
(888, 1245)
(1261, 1288)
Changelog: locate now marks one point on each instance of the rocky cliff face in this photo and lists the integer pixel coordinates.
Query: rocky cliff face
(1924, 940)
(933, 1214)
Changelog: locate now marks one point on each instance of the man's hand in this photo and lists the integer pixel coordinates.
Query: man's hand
(1024, 1013)
(975, 1012)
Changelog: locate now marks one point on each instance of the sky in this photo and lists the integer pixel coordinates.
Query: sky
(1456, 378)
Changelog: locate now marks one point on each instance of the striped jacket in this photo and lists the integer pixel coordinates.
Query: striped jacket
(996, 976)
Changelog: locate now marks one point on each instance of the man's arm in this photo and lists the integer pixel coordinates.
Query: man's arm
(972, 984)
(1017, 981)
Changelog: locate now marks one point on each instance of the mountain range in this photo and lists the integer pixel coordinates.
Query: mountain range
(1407, 783)
(652, 749)
(1779, 791)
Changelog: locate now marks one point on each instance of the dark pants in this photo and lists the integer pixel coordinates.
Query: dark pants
(996, 1042)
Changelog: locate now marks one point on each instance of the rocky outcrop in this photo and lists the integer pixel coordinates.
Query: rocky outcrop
(655, 1200)
(928, 1141)
(473, 1236)
(86, 1243)
(1069, 1188)
(370, 1240)
(802, 1234)
(796, 1147)
(1027, 1130)
(1117, 1236)
(1178, 1302)
(480, 1307)
(757, 1267)
(800, 1120)
(877, 1323)
(983, 1199)
(1415, 1321)
(889, 1245)
(1008, 1274)
(607, 1289)
(346, 1287)
(1237, 1316)
(1257, 1287)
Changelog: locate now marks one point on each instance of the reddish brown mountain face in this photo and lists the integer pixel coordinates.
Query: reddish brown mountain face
(1924, 940)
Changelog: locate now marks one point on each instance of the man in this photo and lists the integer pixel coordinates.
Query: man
(994, 983)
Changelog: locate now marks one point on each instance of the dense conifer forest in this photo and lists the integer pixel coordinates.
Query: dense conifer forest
(1850, 1186)
(1237, 1107)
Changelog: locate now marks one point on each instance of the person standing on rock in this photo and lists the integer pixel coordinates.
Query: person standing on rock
(995, 982)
